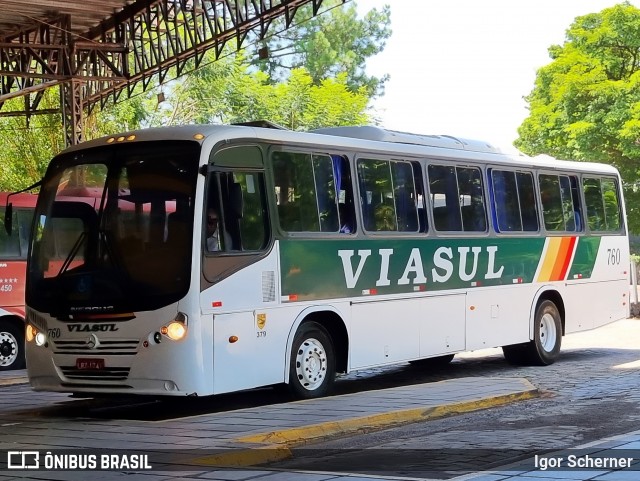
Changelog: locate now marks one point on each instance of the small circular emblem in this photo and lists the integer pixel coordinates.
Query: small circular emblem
(93, 342)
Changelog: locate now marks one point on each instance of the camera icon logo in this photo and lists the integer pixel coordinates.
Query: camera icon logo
(23, 460)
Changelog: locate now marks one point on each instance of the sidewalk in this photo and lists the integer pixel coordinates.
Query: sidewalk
(239, 444)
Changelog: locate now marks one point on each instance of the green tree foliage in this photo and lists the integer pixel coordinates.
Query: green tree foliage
(27, 147)
(228, 91)
(586, 103)
(314, 77)
(333, 43)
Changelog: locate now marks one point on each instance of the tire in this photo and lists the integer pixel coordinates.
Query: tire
(544, 349)
(11, 347)
(312, 367)
(438, 361)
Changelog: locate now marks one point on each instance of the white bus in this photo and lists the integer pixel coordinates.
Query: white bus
(210, 259)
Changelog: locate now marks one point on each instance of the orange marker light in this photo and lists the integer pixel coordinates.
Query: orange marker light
(233, 339)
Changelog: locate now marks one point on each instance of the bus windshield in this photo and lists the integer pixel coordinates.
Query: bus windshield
(113, 229)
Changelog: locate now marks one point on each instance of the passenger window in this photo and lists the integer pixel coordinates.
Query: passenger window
(560, 203)
(602, 204)
(457, 198)
(305, 191)
(514, 201)
(388, 196)
(9, 244)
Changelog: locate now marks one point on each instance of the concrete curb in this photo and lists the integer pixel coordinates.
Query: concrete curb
(277, 445)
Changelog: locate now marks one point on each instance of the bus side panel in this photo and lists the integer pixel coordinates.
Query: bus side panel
(442, 325)
(597, 290)
(12, 280)
(385, 331)
(498, 316)
(244, 306)
(405, 329)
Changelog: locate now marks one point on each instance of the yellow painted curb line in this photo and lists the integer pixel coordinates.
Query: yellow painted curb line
(276, 445)
(298, 436)
(12, 381)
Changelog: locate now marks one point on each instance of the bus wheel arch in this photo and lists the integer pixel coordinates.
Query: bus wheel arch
(547, 329)
(318, 349)
(553, 296)
(12, 349)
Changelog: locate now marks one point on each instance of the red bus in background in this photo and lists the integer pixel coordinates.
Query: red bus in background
(13, 265)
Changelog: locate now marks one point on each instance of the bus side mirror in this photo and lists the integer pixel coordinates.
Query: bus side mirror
(8, 218)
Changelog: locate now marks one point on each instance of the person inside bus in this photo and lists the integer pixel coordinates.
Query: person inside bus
(213, 232)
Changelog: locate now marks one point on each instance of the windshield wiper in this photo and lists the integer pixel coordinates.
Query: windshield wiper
(73, 253)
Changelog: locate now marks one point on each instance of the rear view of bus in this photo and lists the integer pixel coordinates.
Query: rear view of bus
(13, 263)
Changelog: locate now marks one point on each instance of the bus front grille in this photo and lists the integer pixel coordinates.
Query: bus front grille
(123, 347)
(106, 374)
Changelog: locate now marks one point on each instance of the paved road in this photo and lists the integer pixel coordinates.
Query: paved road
(590, 394)
(593, 392)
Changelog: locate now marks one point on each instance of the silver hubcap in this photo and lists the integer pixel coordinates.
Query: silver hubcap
(8, 349)
(311, 364)
(548, 332)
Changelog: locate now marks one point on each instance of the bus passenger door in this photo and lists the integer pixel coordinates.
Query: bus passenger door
(239, 272)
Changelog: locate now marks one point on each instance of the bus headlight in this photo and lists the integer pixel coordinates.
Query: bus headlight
(41, 339)
(32, 334)
(176, 329)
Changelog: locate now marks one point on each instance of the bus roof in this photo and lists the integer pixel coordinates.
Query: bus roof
(368, 132)
(364, 138)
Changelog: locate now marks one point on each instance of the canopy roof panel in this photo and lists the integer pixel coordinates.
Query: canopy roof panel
(97, 49)
(18, 16)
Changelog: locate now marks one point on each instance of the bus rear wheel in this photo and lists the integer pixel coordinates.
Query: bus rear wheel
(544, 348)
(312, 367)
(11, 347)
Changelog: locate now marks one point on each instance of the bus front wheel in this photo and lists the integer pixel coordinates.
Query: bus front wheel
(11, 347)
(544, 348)
(312, 367)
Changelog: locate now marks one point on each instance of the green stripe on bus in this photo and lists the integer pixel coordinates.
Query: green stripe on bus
(585, 258)
(323, 269)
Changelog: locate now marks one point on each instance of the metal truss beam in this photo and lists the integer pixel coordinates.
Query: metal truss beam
(144, 40)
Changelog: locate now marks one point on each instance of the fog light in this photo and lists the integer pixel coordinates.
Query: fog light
(30, 335)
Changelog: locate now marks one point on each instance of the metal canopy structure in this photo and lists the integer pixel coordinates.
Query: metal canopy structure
(96, 50)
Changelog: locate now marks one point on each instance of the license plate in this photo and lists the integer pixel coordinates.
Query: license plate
(89, 364)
